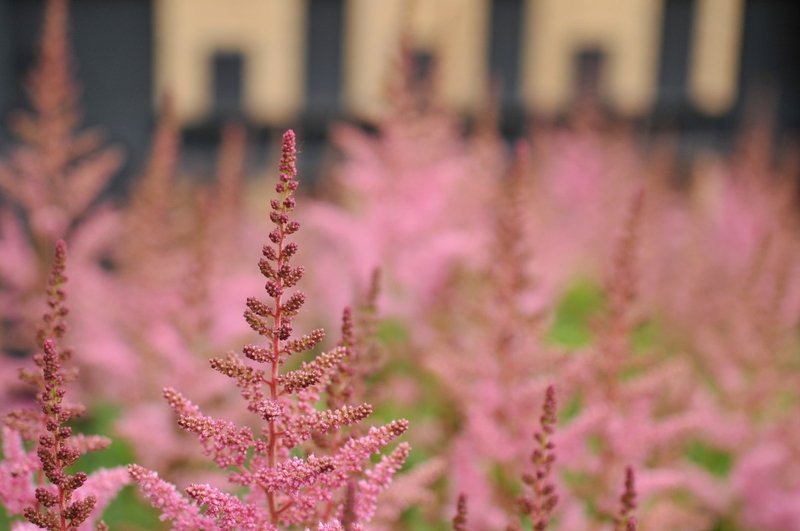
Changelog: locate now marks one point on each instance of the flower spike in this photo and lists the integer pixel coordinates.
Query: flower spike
(294, 475)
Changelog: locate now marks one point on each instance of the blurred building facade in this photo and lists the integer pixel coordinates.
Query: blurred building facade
(681, 64)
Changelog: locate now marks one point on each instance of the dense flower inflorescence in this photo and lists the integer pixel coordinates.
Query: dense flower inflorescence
(460, 519)
(291, 479)
(54, 178)
(540, 503)
(625, 520)
(65, 501)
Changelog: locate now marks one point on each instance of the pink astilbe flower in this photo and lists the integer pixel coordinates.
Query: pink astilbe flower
(539, 504)
(16, 471)
(294, 474)
(377, 480)
(282, 488)
(489, 327)
(226, 444)
(731, 300)
(149, 225)
(635, 419)
(66, 501)
(711, 273)
(169, 302)
(336, 525)
(460, 519)
(184, 514)
(766, 480)
(625, 520)
(230, 512)
(409, 200)
(347, 388)
(412, 488)
(52, 179)
(581, 173)
(51, 182)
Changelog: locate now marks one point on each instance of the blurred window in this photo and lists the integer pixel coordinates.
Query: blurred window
(422, 64)
(589, 64)
(324, 55)
(674, 60)
(228, 79)
(505, 46)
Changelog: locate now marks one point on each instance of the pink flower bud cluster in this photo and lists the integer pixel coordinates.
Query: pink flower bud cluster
(65, 501)
(625, 520)
(289, 480)
(539, 504)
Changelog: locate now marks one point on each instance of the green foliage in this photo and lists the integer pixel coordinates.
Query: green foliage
(716, 461)
(5, 520)
(646, 336)
(100, 421)
(726, 524)
(574, 313)
(415, 518)
(571, 409)
(429, 405)
(596, 444)
(127, 511)
(505, 480)
(392, 332)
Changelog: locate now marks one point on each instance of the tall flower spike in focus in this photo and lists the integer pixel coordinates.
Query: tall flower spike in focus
(289, 479)
(36, 483)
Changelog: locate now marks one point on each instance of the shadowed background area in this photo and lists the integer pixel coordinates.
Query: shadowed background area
(688, 66)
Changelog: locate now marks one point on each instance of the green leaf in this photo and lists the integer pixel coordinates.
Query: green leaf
(574, 313)
(716, 461)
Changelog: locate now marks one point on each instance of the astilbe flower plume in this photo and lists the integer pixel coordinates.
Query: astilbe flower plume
(419, 157)
(539, 504)
(460, 519)
(50, 184)
(367, 356)
(174, 285)
(65, 501)
(625, 520)
(493, 322)
(630, 412)
(288, 480)
(738, 310)
(58, 173)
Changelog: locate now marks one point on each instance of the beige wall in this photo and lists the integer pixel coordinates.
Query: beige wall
(269, 33)
(271, 36)
(456, 30)
(716, 44)
(627, 31)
